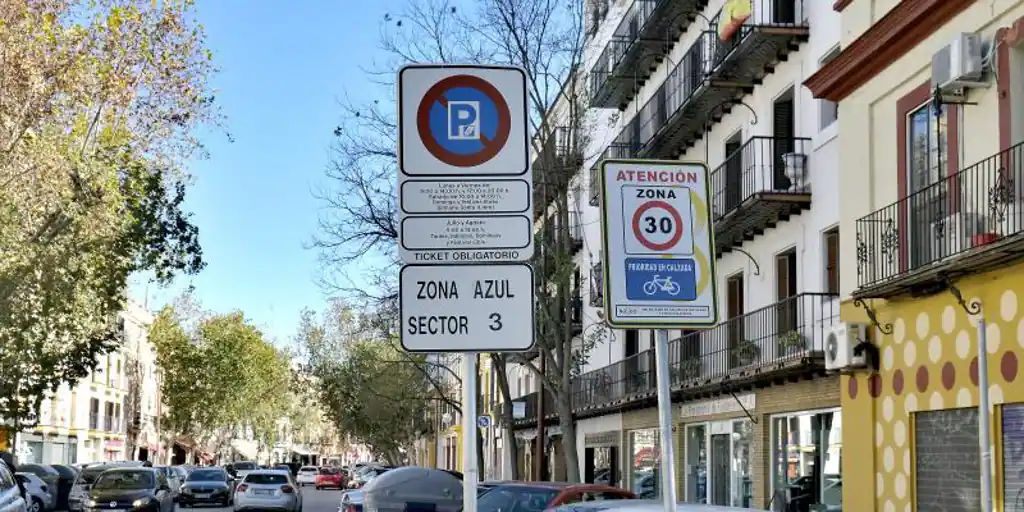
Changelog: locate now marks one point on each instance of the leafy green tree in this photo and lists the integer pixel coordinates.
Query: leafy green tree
(219, 373)
(100, 102)
(370, 389)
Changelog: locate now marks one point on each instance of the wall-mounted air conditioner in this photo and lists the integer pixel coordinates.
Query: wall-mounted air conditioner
(839, 346)
(959, 65)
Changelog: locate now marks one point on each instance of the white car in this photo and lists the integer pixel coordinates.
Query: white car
(306, 476)
(268, 489)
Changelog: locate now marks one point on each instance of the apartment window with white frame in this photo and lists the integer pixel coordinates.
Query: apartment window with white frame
(828, 111)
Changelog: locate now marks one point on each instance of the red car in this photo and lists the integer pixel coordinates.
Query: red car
(538, 496)
(330, 477)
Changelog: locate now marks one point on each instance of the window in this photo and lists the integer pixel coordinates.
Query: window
(832, 261)
(645, 457)
(828, 111)
(807, 453)
(947, 469)
(1013, 456)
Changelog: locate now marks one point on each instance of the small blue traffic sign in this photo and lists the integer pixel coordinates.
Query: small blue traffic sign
(483, 421)
(661, 279)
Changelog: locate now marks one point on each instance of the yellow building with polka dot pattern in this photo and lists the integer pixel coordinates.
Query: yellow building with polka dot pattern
(932, 251)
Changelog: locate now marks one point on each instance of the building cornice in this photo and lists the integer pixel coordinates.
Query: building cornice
(898, 32)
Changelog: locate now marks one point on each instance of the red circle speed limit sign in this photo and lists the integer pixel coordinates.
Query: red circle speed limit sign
(657, 225)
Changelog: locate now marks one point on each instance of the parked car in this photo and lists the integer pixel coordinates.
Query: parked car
(330, 477)
(642, 506)
(36, 491)
(206, 485)
(10, 494)
(243, 468)
(135, 488)
(80, 489)
(47, 474)
(68, 474)
(306, 476)
(268, 489)
(539, 496)
(351, 501)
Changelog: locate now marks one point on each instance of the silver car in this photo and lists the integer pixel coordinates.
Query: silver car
(643, 506)
(268, 489)
(10, 494)
(37, 490)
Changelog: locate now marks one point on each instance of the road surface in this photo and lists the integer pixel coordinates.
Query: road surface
(313, 501)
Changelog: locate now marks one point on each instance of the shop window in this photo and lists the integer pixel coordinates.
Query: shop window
(719, 463)
(1013, 457)
(807, 451)
(696, 464)
(645, 457)
(601, 465)
(947, 469)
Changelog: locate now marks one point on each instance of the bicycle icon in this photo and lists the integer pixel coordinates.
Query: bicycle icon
(664, 284)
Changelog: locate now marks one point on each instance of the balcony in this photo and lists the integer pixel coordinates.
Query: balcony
(530, 399)
(774, 343)
(617, 149)
(558, 159)
(971, 221)
(712, 74)
(576, 241)
(762, 183)
(576, 311)
(643, 38)
(597, 285)
(94, 421)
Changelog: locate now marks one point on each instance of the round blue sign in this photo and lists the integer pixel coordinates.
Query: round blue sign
(463, 121)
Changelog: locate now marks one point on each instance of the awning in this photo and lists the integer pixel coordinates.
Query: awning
(185, 442)
(303, 450)
(247, 449)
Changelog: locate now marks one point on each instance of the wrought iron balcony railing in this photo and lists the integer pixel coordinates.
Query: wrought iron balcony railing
(970, 212)
(788, 333)
(762, 165)
(530, 400)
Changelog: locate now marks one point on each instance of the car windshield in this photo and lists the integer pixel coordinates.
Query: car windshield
(519, 499)
(88, 477)
(266, 479)
(307, 469)
(207, 475)
(245, 466)
(124, 480)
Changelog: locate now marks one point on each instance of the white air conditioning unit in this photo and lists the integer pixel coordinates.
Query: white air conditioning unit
(839, 346)
(958, 65)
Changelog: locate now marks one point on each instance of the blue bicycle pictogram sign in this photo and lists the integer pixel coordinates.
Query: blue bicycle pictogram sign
(657, 279)
(463, 121)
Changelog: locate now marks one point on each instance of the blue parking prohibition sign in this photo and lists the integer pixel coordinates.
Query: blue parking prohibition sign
(463, 121)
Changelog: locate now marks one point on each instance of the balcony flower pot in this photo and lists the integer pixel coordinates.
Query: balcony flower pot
(981, 239)
(747, 352)
(792, 342)
(795, 168)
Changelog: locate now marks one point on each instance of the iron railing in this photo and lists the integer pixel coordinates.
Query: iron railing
(575, 229)
(597, 285)
(94, 421)
(787, 331)
(530, 401)
(761, 165)
(624, 49)
(964, 211)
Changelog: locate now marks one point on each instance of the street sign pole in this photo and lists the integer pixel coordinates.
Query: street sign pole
(664, 381)
(660, 261)
(465, 195)
(470, 471)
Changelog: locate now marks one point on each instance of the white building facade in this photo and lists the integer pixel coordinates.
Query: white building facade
(719, 82)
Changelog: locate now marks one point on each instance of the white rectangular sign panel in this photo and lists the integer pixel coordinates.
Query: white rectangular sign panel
(464, 153)
(659, 259)
(467, 308)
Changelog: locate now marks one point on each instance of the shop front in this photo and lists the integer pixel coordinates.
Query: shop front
(718, 451)
(601, 458)
(641, 458)
(50, 449)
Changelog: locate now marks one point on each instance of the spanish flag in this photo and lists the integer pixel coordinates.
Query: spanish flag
(734, 14)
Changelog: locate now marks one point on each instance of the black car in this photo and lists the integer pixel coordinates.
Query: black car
(206, 485)
(135, 488)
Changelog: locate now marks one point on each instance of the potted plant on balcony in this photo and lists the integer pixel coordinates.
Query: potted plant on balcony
(985, 236)
(792, 342)
(795, 168)
(747, 352)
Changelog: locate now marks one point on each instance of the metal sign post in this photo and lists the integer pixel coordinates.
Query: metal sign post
(660, 263)
(465, 223)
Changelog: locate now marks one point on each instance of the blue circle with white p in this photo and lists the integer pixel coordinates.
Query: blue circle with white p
(464, 121)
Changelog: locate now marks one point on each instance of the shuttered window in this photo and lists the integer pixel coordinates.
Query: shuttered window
(948, 472)
(1013, 457)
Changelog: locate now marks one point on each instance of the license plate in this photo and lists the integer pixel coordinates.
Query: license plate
(203, 495)
(264, 492)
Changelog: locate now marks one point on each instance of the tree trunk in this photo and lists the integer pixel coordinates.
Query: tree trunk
(510, 448)
(572, 457)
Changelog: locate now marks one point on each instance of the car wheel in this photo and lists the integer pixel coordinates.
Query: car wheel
(36, 505)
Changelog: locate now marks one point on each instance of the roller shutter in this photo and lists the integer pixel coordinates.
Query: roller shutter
(946, 455)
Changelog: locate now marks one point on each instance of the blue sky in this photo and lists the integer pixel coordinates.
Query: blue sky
(284, 66)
